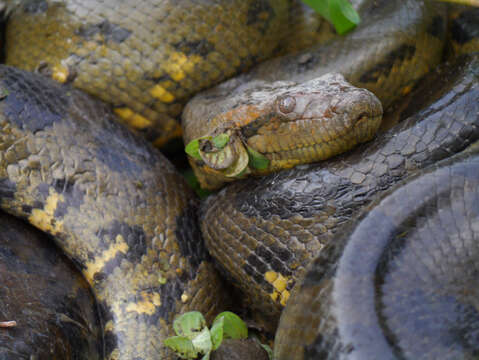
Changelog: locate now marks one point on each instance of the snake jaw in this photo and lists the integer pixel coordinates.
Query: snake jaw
(231, 159)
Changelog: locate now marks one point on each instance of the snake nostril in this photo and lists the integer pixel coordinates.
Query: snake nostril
(361, 116)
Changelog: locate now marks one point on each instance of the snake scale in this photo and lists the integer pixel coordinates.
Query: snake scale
(141, 251)
(114, 204)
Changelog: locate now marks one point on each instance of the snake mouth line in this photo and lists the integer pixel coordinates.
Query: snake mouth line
(362, 130)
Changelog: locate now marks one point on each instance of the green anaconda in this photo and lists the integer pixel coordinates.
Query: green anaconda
(402, 284)
(51, 304)
(112, 203)
(139, 248)
(149, 58)
(145, 58)
(265, 231)
(395, 45)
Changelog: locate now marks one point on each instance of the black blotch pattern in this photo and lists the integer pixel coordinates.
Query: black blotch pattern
(384, 67)
(115, 160)
(72, 195)
(134, 236)
(437, 27)
(33, 102)
(171, 291)
(7, 189)
(200, 47)
(258, 277)
(260, 14)
(35, 6)
(110, 32)
(27, 209)
(189, 238)
(464, 28)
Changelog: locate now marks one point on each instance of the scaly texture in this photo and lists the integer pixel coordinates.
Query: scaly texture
(287, 123)
(115, 205)
(146, 57)
(46, 296)
(393, 47)
(266, 230)
(403, 284)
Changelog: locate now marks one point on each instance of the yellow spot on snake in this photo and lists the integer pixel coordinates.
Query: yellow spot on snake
(184, 298)
(179, 63)
(162, 94)
(133, 119)
(97, 264)
(43, 218)
(406, 90)
(279, 283)
(60, 73)
(146, 305)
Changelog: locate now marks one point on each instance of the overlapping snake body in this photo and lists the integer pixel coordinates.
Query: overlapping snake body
(123, 214)
(112, 203)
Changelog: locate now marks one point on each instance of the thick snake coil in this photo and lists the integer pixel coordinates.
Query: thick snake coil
(146, 58)
(394, 46)
(403, 283)
(112, 203)
(50, 302)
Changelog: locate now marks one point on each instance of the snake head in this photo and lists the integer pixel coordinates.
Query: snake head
(282, 124)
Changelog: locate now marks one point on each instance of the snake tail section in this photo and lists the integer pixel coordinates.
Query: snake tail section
(113, 204)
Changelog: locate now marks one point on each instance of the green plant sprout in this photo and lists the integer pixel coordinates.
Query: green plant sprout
(338, 12)
(193, 338)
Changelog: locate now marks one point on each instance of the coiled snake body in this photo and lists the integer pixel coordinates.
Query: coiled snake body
(126, 217)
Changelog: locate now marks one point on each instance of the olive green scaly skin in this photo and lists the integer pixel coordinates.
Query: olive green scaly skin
(147, 58)
(396, 43)
(393, 47)
(46, 296)
(266, 230)
(403, 284)
(113, 204)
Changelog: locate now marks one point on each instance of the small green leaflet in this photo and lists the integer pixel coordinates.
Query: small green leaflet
(189, 324)
(233, 326)
(217, 332)
(202, 343)
(220, 140)
(338, 12)
(182, 346)
(193, 148)
(257, 160)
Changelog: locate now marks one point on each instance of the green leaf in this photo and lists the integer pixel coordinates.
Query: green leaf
(189, 324)
(233, 327)
(221, 140)
(182, 346)
(202, 342)
(338, 12)
(193, 148)
(345, 18)
(217, 332)
(257, 160)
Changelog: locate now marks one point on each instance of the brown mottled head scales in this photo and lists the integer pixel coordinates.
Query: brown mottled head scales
(288, 123)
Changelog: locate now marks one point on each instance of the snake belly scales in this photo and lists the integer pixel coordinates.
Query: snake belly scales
(55, 189)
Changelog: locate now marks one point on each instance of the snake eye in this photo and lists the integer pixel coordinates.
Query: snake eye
(286, 104)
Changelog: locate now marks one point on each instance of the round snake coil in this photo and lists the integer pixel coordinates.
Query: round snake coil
(403, 283)
(266, 230)
(112, 203)
(52, 305)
